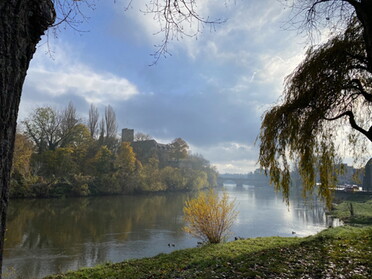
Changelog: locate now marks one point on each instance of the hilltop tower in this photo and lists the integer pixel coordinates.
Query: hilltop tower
(127, 135)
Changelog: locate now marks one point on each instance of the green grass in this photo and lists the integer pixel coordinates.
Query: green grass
(343, 252)
(362, 211)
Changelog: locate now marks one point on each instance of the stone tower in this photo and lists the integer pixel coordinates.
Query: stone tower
(127, 135)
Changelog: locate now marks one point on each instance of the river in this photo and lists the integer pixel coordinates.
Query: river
(56, 235)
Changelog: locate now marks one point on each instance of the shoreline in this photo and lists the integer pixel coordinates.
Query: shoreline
(330, 253)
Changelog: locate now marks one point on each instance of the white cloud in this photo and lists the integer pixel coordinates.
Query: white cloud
(236, 166)
(230, 157)
(211, 92)
(65, 74)
(249, 25)
(276, 68)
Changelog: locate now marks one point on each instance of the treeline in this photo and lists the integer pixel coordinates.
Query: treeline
(58, 154)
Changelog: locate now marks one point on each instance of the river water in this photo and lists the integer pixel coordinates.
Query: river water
(52, 236)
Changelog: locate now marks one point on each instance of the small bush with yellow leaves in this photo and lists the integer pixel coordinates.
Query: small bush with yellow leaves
(209, 216)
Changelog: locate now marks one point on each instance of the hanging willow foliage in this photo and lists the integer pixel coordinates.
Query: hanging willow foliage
(328, 91)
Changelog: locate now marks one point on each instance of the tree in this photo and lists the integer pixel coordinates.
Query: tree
(93, 120)
(79, 137)
(81, 143)
(103, 161)
(179, 149)
(209, 217)
(58, 163)
(69, 120)
(125, 163)
(108, 129)
(49, 129)
(338, 12)
(194, 180)
(43, 127)
(110, 122)
(330, 89)
(22, 23)
(101, 137)
(196, 162)
(126, 158)
(23, 150)
(212, 175)
(172, 178)
(149, 177)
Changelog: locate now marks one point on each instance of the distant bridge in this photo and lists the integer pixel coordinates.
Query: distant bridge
(240, 181)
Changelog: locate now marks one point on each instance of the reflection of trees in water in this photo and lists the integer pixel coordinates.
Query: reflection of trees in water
(84, 226)
(53, 235)
(311, 212)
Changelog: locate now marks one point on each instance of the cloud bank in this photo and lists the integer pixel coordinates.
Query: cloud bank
(212, 90)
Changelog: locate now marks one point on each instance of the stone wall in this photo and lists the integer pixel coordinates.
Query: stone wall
(127, 135)
(147, 149)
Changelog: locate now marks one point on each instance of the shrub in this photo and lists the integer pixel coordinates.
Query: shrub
(209, 217)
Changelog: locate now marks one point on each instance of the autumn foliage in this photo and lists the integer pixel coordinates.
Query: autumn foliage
(58, 155)
(209, 217)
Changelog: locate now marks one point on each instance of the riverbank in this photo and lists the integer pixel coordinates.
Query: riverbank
(343, 252)
(53, 236)
(353, 208)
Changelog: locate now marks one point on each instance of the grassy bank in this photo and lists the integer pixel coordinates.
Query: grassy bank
(344, 252)
(354, 208)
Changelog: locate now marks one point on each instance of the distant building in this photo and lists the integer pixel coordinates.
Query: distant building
(127, 135)
(146, 149)
(367, 179)
(350, 175)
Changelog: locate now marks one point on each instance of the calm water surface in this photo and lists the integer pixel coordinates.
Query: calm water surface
(51, 236)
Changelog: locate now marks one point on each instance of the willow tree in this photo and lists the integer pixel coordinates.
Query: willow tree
(327, 98)
(316, 14)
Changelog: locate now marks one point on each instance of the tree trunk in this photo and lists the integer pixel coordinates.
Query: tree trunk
(364, 14)
(22, 23)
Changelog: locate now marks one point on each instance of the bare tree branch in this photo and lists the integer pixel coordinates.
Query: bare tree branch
(176, 17)
(93, 120)
(62, 20)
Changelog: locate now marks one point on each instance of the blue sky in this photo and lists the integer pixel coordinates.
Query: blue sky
(211, 91)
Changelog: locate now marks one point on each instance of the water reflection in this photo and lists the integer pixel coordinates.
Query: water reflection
(49, 236)
(46, 236)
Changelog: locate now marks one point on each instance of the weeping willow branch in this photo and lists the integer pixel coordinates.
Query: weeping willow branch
(304, 129)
